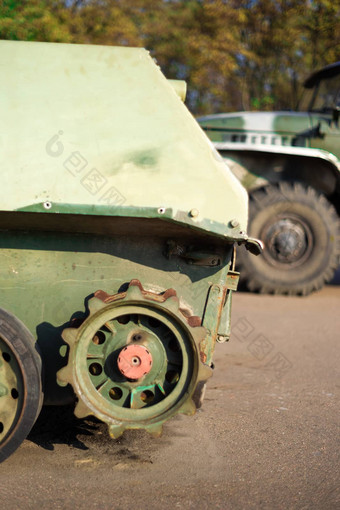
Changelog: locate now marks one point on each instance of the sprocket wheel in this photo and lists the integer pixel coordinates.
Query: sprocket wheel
(135, 361)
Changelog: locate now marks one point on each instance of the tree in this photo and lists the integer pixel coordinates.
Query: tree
(285, 40)
(234, 54)
(33, 21)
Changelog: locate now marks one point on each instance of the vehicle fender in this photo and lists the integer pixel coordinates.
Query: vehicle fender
(321, 169)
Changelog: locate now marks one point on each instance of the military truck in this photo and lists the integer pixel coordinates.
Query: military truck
(289, 163)
(116, 265)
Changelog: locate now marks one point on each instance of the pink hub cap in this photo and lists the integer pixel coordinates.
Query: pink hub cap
(134, 361)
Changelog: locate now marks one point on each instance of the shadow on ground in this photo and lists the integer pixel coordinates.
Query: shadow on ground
(58, 425)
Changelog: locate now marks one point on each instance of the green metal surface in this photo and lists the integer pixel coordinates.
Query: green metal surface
(216, 316)
(108, 179)
(89, 125)
(58, 272)
(164, 214)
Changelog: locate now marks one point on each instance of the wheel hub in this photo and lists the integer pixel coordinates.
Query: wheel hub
(288, 241)
(134, 361)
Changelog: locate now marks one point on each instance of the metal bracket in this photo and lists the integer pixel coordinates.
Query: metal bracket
(192, 256)
(232, 280)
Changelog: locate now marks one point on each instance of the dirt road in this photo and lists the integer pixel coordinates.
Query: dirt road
(267, 436)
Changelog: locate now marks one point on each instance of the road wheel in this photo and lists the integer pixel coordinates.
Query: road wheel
(20, 383)
(300, 230)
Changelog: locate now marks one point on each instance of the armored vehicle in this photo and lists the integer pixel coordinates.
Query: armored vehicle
(118, 223)
(289, 163)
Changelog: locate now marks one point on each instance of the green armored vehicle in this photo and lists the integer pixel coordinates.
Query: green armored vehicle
(290, 164)
(118, 224)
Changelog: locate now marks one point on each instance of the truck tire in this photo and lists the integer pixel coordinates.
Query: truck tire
(300, 229)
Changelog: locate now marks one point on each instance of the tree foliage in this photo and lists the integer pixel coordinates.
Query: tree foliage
(234, 54)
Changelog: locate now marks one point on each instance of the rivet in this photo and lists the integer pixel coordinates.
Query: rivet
(221, 339)
(234, 223)
(194, 213)
(47, 205)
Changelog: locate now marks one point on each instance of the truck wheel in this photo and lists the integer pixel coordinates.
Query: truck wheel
(20, 383)
(301, 233)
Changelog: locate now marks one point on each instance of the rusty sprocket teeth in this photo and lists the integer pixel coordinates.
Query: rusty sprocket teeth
(102, 301)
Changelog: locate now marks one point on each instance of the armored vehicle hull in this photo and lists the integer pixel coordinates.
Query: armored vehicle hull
(116, 240)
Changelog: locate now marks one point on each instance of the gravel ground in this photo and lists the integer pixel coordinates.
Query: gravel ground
(267, 436)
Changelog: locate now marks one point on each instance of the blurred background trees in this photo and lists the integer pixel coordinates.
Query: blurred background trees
(234, 54)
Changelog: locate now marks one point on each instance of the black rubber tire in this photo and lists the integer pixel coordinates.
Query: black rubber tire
(321, 259)
(21, 345)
